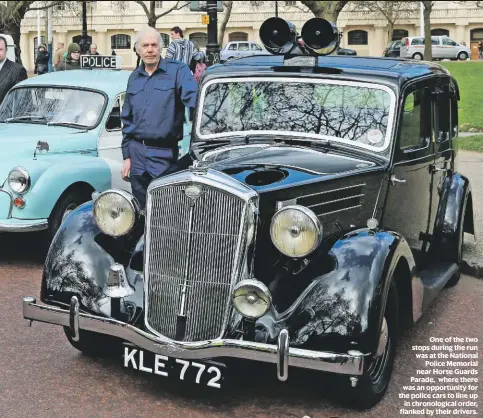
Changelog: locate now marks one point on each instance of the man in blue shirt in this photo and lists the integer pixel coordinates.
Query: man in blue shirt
(153, 113)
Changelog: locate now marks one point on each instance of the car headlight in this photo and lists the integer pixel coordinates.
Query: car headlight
(296, 231)
(19, 180)
(116, 212)
(251, 298)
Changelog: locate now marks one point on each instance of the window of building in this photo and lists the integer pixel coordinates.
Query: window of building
(357, 37)
(398, 34)
(416, 120)
(200, 39)
(120, 41)
(120, 5)
(439, 32)
(237, 36)
(290, 3)
(165, 38)
(76, 39)
(36, 44)
(477, 34)
(158, 4)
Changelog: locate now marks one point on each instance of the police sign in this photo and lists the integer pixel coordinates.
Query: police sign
(100, 61)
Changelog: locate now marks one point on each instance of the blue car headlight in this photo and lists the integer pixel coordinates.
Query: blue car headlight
(19, 180)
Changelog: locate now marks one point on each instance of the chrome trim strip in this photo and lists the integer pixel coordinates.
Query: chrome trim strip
(339, 210)
(390, 123)
(74, 318)
(10, 194)
(340, 363)
(335, 201)
(39, 226)
(332, 190)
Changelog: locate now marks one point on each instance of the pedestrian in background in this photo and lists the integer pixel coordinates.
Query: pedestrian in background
(480, 50)
(71, 60)
(153, 113)
(59, 54)
(93, 50)
(181, 49)
(11, 72)
(41, 65)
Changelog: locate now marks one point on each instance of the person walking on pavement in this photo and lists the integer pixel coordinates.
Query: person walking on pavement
(480, 50)
(11, 72)
(72, 59)
(42, 60)
(181, 49)
(153, 113)
(59, 54)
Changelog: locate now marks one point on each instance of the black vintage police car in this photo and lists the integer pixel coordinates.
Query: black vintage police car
(319, 210)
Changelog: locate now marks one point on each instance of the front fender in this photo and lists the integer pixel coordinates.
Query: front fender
(343, 309)
(78, 265)
(50, 184)
(453, 206)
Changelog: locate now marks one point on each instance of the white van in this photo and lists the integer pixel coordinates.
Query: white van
(442, 47)
(10, 47)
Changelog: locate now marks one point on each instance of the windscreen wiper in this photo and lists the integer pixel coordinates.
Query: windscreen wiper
(21, 118)
(71, 124)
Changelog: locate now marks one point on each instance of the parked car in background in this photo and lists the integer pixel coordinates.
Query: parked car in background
(346, 51)
(442, 47)
(239, 49)
(393, 49)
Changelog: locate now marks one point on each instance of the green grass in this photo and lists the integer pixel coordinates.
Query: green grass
(469, 75)
(471, 143)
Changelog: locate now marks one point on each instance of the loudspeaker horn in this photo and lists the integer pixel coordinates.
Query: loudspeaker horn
(321, 36)
(278, 35)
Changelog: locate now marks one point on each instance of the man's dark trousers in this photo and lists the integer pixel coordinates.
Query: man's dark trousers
(148, 163)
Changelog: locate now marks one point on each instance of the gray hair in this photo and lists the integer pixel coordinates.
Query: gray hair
(91, 45)
(147, 31)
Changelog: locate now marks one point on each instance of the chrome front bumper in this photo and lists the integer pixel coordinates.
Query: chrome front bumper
(23, 225)
(281, 354)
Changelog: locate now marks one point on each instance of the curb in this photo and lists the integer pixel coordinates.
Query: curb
(472, 268)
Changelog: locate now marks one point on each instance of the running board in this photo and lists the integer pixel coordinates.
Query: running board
(434, 278)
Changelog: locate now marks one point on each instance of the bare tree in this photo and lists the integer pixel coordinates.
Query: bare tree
(151, 11)
(326, 9)
(428, 7)
(11, 15)
(392, 11)
(226, 17)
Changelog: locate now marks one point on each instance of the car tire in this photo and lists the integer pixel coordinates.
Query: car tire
(66, 204)
(92, 344)
(417, 56)
(374, 381)
(229, 59)
(462, 56)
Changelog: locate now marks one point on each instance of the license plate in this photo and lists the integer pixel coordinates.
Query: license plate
(206, 373)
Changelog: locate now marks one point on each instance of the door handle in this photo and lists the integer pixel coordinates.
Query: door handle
(395, 180)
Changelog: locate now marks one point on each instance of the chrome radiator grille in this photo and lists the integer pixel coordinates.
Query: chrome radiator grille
(192, 260)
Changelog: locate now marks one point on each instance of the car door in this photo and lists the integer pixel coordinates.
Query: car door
(243, 49)
(256, 50)
(437, 49)
(231, 51)
(450, 48)
(408, 201)
(109, 146)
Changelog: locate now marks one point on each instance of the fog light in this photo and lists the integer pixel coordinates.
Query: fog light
(251, 298)
(18, 202)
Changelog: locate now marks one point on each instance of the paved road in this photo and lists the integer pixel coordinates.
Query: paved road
(42, 376)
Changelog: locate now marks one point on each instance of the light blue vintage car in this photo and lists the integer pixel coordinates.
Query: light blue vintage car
(60, 138)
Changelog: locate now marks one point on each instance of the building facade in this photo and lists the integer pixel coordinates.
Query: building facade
(112, 25)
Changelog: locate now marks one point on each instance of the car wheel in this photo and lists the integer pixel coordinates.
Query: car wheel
(92, 344)
(462, 56)
(417, 56)
(64, 206)
(230, 58)
(373, 383)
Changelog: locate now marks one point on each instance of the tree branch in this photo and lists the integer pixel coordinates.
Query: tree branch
(141, 3)
(175, 7)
